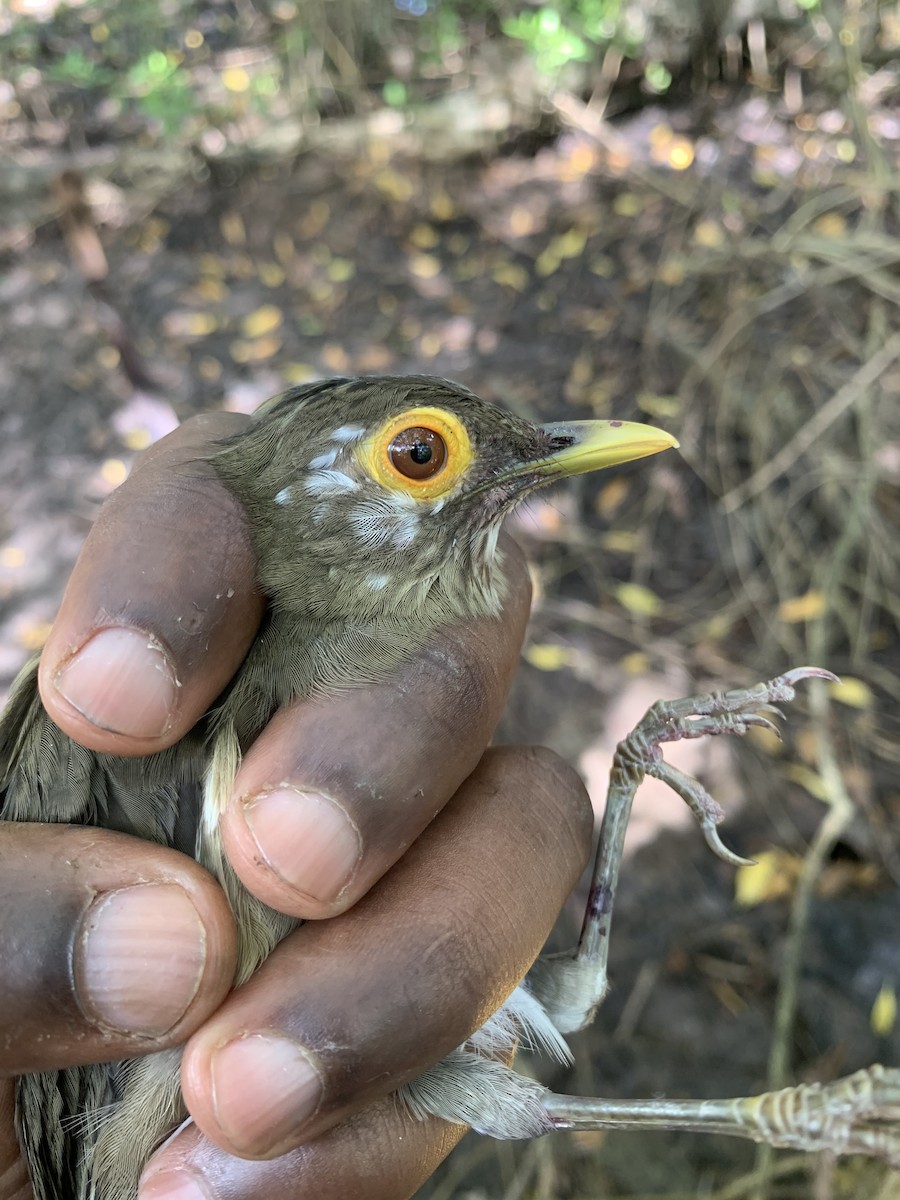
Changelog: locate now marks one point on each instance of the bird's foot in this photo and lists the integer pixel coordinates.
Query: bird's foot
(571, 986)
(716, 713)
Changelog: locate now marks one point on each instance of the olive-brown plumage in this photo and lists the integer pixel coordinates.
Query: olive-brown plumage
(375, 505)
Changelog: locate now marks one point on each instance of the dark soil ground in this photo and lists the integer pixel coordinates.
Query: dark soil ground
(578, 278)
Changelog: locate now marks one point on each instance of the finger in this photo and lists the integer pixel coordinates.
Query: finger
(382, 1153)
(110, 946)
(162, 604)
(14, 1183)
(334, 790)
(348, 1009)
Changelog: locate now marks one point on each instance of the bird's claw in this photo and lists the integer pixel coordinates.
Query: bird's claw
(708, 716)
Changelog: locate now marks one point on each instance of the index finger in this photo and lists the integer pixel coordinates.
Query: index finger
(162, 604)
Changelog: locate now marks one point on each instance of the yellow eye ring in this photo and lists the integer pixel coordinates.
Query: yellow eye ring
(423, 452)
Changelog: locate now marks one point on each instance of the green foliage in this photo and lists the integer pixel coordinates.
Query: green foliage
(571, 31)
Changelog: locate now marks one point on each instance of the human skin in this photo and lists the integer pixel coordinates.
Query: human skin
(442, 863)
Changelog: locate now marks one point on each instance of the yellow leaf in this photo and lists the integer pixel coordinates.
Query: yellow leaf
(254, 350)
(236, 79)
(430, 344)
(636, 663)
(298, 372)
(680, 154)
(314, 220)
(213, 290)
(270, 274)
(442, 206)
(33, 636)
(639, 600)
(883, 1016)
(569, 244)
(582, 370)
(547, 656)
(611, 495)
(232, 226)
(199, 324)
(718, 626)
(660, 407)
(263, 320)
(335, 357)
(671, 272)
(620, 541)
(547, 262)
(765, 740)
(210, 265)
(340, 270)
(180, 324)
(114, 472)
(137, 439)
(396, 187)
(285, 250)
(802, 608)
(511, 275)
(603, 266)
(852, 692)
(209, 369)
(830, 225)
(771, 877)
(426, 266)
(627, 204)
(424, 237)
(810, 780)
(710, 234)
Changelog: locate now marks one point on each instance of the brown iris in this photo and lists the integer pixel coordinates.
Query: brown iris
(418, 453)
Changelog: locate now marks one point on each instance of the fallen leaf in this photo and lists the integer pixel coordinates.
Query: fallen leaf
(802, 608)
(232, 228)
(772, 877)
(547, 656)
(236, 79)
(852, 692)
(883, 1016)
(425, 266)
(638, 600)
(262, 320)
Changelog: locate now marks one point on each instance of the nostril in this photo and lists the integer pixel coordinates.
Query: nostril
(560, 443)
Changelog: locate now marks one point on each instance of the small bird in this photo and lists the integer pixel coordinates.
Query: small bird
(375, 505)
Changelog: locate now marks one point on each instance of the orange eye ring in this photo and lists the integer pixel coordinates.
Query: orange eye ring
(423, 452)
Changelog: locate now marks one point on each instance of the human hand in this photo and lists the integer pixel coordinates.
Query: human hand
(394, 983)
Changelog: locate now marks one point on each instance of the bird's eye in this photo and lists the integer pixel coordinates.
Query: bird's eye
(423, 452)
(418, 453)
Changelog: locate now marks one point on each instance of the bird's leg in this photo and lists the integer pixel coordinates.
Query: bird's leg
(572, 985)
(859, 1114)
(856, 1115)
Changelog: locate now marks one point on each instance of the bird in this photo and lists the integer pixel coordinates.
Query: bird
(375, 505)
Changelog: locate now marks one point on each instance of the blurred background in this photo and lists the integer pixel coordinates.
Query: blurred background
(685, 213)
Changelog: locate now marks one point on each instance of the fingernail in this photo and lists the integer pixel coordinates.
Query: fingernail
(173, 1185)
(139, 958)
(122, 681)
(306, 839)
(263, 1089)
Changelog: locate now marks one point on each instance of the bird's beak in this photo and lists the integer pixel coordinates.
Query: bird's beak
(590, 445)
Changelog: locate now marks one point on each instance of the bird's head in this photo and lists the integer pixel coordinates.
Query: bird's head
(383, 496)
